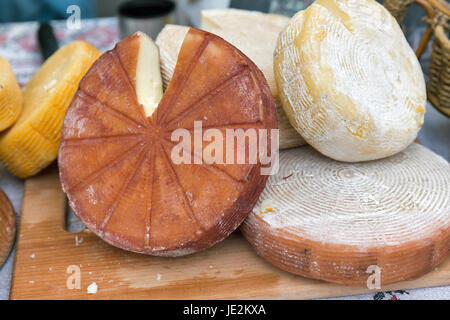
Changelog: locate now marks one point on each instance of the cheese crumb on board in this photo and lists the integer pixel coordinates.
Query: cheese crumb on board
(349, 82)
(92, 289)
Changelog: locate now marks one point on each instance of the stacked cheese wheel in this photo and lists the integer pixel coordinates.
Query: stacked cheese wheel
(335, 221)
(353, 88)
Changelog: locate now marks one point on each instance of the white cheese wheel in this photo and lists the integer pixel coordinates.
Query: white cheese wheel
(254, 33)
(332, 220)
(349, 82)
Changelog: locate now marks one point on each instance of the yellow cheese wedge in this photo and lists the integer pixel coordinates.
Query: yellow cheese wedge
(349, 82)
(32, 143)
(10, 96)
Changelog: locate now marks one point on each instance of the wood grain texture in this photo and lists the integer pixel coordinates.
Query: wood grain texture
(229, 270)
(7, 227)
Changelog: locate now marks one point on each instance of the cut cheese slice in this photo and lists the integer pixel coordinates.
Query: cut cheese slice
(7, 227)
(253, 33)
(143, 70)
(349, 82)
(32, 143)
(116, 160)
(10, 96)
(332, 220)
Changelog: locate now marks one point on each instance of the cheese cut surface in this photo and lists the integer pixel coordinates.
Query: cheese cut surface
(331, 220)
(7, 227)
(10, 96)
(144, 70)
(116, 164)
(254, 33)
(32, 143)
(349, 82)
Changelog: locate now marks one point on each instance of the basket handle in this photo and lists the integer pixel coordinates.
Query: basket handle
(428, 31)
(398, 9)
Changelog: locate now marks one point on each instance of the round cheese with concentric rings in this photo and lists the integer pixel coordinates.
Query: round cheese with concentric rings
(349, 82)
(340, 222)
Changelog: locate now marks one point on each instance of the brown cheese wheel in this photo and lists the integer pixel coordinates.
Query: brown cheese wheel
(7, 227)
(330, 220)
(115, 162)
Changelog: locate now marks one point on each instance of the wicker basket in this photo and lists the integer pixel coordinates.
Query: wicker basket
(438, 17)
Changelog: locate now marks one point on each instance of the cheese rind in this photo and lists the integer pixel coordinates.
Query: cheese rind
(349, 82)
(10, 96)
(332, 220)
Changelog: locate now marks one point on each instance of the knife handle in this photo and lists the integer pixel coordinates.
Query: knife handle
(47, 40)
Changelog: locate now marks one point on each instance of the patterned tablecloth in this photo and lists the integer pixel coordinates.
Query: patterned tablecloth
(18, 44)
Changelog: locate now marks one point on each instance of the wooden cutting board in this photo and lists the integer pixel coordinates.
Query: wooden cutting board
(229, 270)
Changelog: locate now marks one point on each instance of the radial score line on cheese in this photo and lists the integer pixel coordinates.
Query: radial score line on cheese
(348, 80)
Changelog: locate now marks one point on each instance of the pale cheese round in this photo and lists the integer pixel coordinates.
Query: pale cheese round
(332, 220)
(349, 82)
